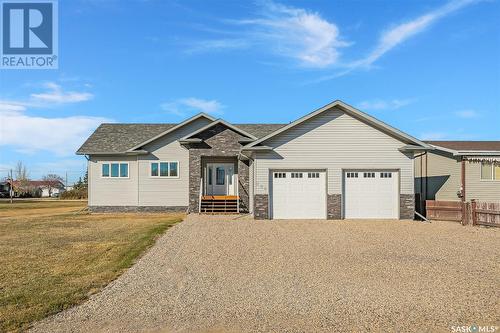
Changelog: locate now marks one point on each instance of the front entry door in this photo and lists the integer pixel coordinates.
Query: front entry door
(220, 179)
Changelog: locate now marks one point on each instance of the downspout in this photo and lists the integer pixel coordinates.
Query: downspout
(463, 191)
(137, 166)
(421, 203)
(89, 177)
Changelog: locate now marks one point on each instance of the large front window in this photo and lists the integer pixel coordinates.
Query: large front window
(165, 169)
(114, 170)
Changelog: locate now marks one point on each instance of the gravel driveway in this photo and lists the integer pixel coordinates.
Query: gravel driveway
(218, 274)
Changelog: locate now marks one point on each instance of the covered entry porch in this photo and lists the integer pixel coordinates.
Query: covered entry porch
(219, 192)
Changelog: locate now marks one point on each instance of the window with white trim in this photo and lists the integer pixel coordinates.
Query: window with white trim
(280, 175)
(386, 175)
(114, 170)
(313, 175)
(352, 175)
(165, 169)
(296, 174)
(369, 174)
(490, 171)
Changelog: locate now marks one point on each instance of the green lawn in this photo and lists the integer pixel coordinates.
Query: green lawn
(53, 257)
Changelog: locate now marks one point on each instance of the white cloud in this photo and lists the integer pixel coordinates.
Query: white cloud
(56, 95)
(29, 134)
(379, 104)
(400, 33)
(182, 107)
(286, 31)
(467, 114)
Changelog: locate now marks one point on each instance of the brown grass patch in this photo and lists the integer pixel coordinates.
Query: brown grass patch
(52, 262)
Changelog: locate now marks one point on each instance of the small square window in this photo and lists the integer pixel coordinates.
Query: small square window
(115, 168)
(154, 169)
(163, 169)
(105, 170)
(173, 169)
(124, 170)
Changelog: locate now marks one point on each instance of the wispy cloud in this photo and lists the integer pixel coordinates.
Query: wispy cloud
(467, 114)
(55, 94)
(379, 104)
(398, 34)
(218, 45)
(29, 134)
(286, 31)
(184, 106)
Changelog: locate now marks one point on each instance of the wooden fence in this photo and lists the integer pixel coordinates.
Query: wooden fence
(476, 212)
(444, 210)
(485, 213)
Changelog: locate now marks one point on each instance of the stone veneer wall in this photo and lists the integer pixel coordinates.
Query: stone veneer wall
(407, 206)
(146, 209)
(261, 207)
(218, 141)
(334, 206)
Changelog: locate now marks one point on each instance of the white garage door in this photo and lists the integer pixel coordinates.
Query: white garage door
(371, 194)
(298, 195)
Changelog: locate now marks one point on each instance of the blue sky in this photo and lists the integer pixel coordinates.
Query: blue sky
(429, 68)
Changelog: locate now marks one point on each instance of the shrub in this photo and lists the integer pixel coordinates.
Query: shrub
(76, 193)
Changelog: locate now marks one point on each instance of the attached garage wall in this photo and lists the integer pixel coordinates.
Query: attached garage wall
(334, 141)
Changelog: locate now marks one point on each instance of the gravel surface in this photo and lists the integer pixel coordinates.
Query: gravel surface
(226, 274)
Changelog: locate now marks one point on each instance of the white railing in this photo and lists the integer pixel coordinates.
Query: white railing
(199, 198)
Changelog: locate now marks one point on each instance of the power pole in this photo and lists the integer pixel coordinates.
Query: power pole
(11, 186)
(66, 181)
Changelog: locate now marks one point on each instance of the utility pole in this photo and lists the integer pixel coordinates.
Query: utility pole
(11, 186)
(66, 187)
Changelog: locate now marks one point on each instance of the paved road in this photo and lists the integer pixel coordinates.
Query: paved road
(212, 274)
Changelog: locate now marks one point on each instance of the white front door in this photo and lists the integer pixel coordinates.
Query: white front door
(220, 179)
(371, 194)
(298, 194)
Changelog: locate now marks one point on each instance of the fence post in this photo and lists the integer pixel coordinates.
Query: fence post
(473, 211)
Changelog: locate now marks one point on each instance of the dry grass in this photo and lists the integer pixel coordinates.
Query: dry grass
(53, 256)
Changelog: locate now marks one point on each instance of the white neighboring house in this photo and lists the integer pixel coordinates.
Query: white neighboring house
(55, 189)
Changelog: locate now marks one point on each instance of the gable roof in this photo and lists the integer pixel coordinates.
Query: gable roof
(216, 122)
(349, 110)
(467, 145)
(122, 138)
(468, 148)
(185, 122)
(118, 138)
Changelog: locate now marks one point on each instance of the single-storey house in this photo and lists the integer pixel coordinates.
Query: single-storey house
(458, 171)
(336, 162)
(38, 188)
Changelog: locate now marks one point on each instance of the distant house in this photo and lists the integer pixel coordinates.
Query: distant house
(38, 188)
(459, 168)
(4, 189)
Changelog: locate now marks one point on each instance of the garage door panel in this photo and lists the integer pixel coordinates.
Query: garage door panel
(371, 194)
(295, 197)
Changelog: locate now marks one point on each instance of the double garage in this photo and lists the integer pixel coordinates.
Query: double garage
(302, 194)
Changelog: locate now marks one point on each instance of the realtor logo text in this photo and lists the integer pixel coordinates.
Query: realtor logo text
(29, 34)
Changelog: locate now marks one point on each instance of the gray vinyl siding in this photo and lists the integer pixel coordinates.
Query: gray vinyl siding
(157, 191)
(481, 190)
(444, 176)
(333, 141)
(140, 189)
(444, 179)
(112, 191)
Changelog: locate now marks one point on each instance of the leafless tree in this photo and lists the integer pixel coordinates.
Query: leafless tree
(52, 181)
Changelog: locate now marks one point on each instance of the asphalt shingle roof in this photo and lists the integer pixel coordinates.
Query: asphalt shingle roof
(468, 145)
(118, 138)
